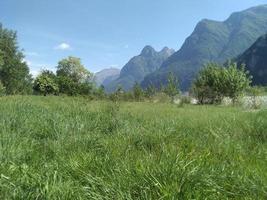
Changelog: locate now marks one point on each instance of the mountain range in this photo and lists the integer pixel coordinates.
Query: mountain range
(211, 41)
(255, 60)
(106, 76)
(138, 67)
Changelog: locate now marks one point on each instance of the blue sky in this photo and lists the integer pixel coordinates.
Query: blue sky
(106, 33)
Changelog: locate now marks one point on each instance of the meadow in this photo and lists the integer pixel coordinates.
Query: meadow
(74, 148)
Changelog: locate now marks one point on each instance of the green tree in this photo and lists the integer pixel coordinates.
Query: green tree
(172, 88)
(150, 91)
(206, 87)
(215, 82)
(100, 92)
(2, 89)
(14, 72)
(72, 68)
(234, 81)
(45, 83)
(1, 59)
(73, 77)
(137, 92)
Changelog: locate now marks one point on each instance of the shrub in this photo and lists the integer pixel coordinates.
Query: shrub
(138, 93)
(73, 78)
(45, 83)
(2, 89)
(172, 88)
(161, 98)
(215, 82)
(254, 93)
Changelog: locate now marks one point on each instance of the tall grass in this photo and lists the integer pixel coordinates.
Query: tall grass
(72, 148)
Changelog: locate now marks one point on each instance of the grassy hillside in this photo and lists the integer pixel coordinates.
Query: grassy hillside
(71, 148)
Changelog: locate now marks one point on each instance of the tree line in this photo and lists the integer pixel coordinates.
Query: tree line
(213, 83)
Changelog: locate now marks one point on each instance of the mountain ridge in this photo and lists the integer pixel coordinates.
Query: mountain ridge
(212, 41)
(105, 76)
(139, 66)
(255, 60)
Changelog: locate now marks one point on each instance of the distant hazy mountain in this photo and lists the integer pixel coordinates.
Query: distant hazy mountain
(255, 59)
(105, 76)
(212, 41)
(139, 66)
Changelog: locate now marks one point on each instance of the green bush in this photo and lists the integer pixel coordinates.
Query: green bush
(2, 89)
(161, 97)
(254, 93)
(45, 83)
(215, 82)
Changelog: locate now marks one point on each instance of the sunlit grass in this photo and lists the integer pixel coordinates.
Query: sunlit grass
(72, 148)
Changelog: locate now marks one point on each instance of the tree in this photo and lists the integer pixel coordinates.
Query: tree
(45, 83)
(215, 82)
(72, 68)
(137, 92)
(14, 72)
(100, 92)
(150, 91)
(234, 81)
(2, 89)
(73, 78)
(206, 87)
(1, 59)
(172, 88)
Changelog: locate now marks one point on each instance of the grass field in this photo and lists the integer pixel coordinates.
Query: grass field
(73, 148)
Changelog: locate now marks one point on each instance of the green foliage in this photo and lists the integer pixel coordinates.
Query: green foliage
(234, 81)
(73, 78)
(69, 148)
(72, 68)
(255, 92)
(1, 59)
(183, 100)
(172, 87)
(46, 83)
(14, 72)
(100, 92)
(2, 89)
(215, 82)
(117, 96)
(161, 97)
(138, 93)
(206, 87)
(150, 91)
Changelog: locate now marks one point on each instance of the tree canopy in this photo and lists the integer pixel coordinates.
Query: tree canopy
(73, 78)
(215, 82)
(45, 83)
(14, 72)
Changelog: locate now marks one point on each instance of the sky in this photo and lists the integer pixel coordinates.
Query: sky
(106, 33)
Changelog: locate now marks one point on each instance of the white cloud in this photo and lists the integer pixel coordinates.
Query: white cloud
(63, 46)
